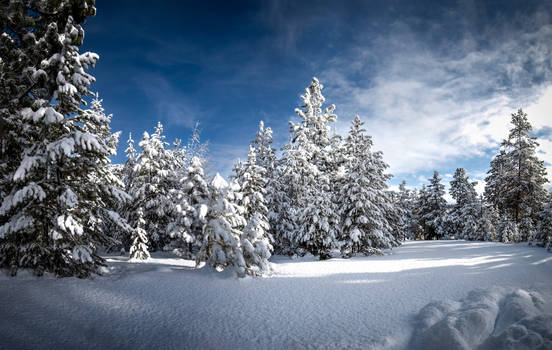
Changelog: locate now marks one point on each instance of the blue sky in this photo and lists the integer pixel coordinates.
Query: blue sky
(435, 82)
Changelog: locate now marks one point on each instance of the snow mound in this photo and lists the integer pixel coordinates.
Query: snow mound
(485, 319)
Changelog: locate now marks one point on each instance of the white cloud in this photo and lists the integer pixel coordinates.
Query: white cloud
(425, 108)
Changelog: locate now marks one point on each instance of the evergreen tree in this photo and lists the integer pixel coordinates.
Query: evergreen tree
(486, 219)
(307, 172)
(195, 148)
(406, 201)
(96, 122)
(266, 158)
(466, 210)
(128, 209)
(139, 247)
(364, 196)
(515, 184)
(432, 207)
(508, 231)
(283, 198)
(256, 239)
(56, 183)
(544, 226)
(221, 243)
(196, 190)
(151, 187)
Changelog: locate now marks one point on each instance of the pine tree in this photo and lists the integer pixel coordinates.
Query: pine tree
(139, 246)
(195, 148)
(266, 158)
(308, 174)
(56, 182)
(95, 121)
(365, 200)
(151, 187)
(544, 226)
(465, 212)
(283, 198)
(486, 230)
(221, 243)
(515, 184)
(256, 239)
(196, 190)
(508, 231)
(432, 207)
(406, 201)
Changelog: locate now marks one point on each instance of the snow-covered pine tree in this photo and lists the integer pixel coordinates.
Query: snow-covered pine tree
(128, 209)
(419, 208)
(486, 229)
(364, 197)
(406, 202)
(58, 187)
(309, 159)
(515, 184)
(151, 187)
(265, 153)
(544, 225)
(95, 121)
(195, 148)
(221, 242)
(508, 231)
(256, 238)
(179, 230)
(130, 163)
(432, 207)
(139, 245)
(465, 212)
(196, 190)
(266, 158)
(283, 198)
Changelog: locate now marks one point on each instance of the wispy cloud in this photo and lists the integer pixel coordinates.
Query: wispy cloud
(428, 106)
(171, 106)
(223, 156)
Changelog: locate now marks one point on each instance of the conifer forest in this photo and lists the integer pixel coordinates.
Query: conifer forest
(113, 239)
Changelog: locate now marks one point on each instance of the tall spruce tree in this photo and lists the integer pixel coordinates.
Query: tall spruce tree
(266, 158)
(543, 234)
(465, 212)
(55, 181)
(317, 220)
(221, 243)
(139, 246)
(515, 184)
(486, 221)
(365, 201)
(256, 238)
(196, 190)
(432, 207)
(407, 203)
(153, 180)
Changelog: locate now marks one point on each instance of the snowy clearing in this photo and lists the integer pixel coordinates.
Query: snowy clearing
(363, 302)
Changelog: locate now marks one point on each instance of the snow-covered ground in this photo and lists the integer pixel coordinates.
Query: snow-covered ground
(419, 295)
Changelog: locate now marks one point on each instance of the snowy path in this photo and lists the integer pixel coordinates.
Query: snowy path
(356, 303)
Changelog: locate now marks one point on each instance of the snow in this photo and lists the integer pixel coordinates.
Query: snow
(475, 293)
(485, 319)
(218, 182)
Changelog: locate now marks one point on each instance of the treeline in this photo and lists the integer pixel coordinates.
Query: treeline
(515, 207)
(62, 200)
(326, 195)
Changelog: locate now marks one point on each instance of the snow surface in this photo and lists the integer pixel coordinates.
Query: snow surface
(365, 302)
